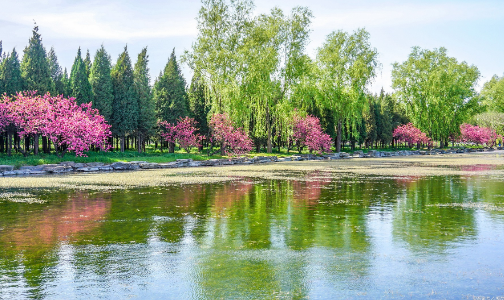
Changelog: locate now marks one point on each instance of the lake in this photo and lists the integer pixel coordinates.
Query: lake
(303, 234)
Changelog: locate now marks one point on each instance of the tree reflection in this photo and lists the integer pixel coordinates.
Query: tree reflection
(423, 221)
(29, 247)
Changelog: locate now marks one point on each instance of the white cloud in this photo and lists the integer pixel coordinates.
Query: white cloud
(407, 14)
(109, 21)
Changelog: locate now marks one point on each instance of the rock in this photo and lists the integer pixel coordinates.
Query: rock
(6, 168)
(344, 155)
(169, 165)
(139, 162)
(184, 162)
(9, 173)
(195, 164)
(105, 168)
(88, 169)
(67, 163)
(94, 164)
(119, 166)
(285, 159)
(296, 158)
(58, 169)
(22, 172)
(79, 165)
(146, 165)
(226, 162)
(32, 168)
(37, 172)
(49, 166)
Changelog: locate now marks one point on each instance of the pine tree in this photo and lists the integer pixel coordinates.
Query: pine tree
(56, 73)
(101, 84)
(147, 113)
(65, 80)
(198, 106)
(10, 74)
(125, 105)
(87, 63)
(79, 82)
(34, 67)
(169, 92)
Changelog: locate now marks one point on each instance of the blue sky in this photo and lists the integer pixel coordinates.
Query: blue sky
(472, 31)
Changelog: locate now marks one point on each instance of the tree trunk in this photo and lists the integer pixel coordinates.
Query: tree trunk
(171, 147)
(44, 145)
(223, 149)
(27, 144)
(139, 140)
(269, 146)
(123, 141)
(36, 144)
(338, 136)
(9, 143)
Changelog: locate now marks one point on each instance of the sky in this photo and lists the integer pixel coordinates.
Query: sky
(472, 31)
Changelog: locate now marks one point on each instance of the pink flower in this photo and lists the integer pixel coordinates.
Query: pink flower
(308, 132)
(234, 140)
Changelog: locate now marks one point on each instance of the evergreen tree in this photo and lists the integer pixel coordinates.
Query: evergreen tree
(146, 112)
(87, 63)
(10, 74)
(79, 82)
(65, 80)
(56, 73)
(101, 83)
(125, 105)
(370, 123)
(169, 92)
(34, 67)
(198, 106)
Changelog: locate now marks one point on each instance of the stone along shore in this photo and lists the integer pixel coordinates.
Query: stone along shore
(70, 166)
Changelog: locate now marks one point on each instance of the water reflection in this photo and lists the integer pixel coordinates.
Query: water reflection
(319, 236)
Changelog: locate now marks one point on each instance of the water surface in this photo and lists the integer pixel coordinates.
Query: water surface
(317, 236)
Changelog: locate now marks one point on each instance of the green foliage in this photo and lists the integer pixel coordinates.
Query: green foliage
(199, 107)
(492, 119)
(79, 82)
(101, 84)
(10, 74)
(170, 92)
(125, 104)
(34, 66)
(250, 64)
(146, 113)
(346, 63)
(437, 91)
(56, 73)
(493, 94)
(87, 63)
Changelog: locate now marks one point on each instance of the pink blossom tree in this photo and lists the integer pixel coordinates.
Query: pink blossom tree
(73, 127)
(69, 126)
(308, 132)
(477, 135)
(233, 141)
(183, 133)
(410, 134)
(30, 113)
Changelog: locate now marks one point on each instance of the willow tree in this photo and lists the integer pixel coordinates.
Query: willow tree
(438, 91)
(346, 65)
(275, 60)
(493, 93)
(249, 63)
(217, 52)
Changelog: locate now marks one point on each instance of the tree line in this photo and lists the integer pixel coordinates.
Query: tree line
(255, 69)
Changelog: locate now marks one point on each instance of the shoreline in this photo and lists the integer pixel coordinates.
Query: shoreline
(70, 167)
